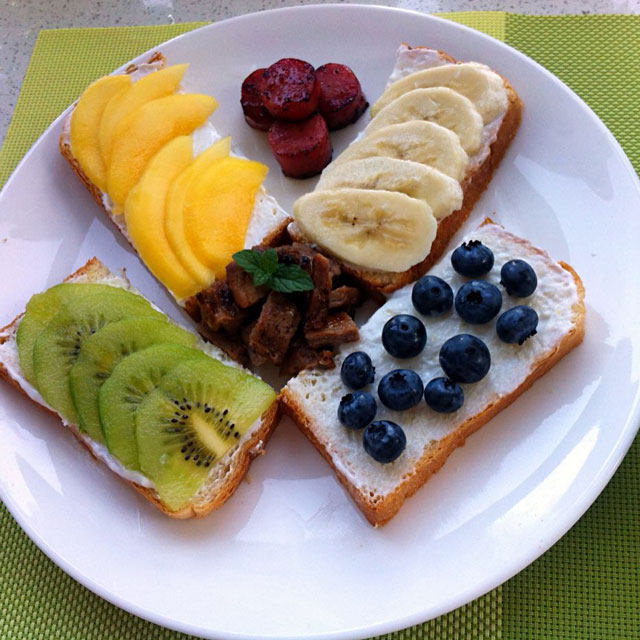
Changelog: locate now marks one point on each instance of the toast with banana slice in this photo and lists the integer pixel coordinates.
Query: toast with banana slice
(387, 206)
(381, 466)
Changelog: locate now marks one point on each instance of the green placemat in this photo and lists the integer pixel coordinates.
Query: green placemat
(586, 587)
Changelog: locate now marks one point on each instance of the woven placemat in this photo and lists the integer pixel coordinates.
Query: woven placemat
(586, 586)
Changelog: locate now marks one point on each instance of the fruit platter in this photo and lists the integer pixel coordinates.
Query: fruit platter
(335, 276)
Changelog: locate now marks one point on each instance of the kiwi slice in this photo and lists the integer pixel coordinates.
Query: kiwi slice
(42, 307)
(199, 411)
(101, 351)
(57, 346)
(130, 381)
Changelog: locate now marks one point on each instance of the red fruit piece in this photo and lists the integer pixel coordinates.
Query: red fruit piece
(302, 149)
(341, 100)
(254, 111)
(289, 89)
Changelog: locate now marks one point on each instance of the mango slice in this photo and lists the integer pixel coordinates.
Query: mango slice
(157, 84)
(85, 120)
(144, 217)
(217, 210)
(142, 133)
(174, 214)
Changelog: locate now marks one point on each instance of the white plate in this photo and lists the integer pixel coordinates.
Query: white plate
(290, 555)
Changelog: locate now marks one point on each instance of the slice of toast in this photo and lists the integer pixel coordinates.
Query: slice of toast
(225, 475)
(268, 220)
(312, 398)
(497, 136)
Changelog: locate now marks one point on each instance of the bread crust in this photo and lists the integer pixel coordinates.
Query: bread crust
(381, 509)
(238, 462)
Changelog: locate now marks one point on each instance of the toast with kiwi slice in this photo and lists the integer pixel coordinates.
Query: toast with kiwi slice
(172, 416)
(379, 485)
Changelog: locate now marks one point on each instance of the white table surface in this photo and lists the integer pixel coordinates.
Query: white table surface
(20, 21)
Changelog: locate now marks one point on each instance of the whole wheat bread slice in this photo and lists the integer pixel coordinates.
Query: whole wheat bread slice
(225, 475)
(379, 490)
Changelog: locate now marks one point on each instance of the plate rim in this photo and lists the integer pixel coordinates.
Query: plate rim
(596, 485)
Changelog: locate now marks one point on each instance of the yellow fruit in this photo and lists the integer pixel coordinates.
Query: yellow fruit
(144, 217)
(174, 214)
(85, 120)
(150, 87)
(217, 210)
(140, 134)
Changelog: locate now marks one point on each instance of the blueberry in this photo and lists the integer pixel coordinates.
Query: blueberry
(465, 358)
(518, 278)
(443, 395)
(384, 440)
(432, 296)
(478, 301)
(404, 336)
(357, 409)
(517, 324)
(472, 259)
(400, 389)
(357, 370)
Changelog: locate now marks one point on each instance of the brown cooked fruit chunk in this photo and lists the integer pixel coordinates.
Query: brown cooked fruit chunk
(244, 292)
(218, 308)
(275, 328)
(339, 328)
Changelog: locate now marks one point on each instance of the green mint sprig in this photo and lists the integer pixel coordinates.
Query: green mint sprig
(266, 270)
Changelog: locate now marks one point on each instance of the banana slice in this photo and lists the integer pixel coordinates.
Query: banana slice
(424, 142)
(442, 193)
(477, 82)
(380, 230)
(441, 105)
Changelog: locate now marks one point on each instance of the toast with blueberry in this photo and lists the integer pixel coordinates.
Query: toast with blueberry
(432, 367)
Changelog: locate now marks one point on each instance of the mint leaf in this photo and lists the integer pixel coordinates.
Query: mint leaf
(289, 278)
(260, 278)
(264, 267)
(248, 259)
(269, 261)
(261, 265)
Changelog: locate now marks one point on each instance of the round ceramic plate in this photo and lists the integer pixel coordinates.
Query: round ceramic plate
(289, 555)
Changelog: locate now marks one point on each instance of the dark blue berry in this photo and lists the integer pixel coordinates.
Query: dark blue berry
(478, 301)
(517, 324)
(518, 278)
(400, 389)
(357, 409)
(432, 296)
(357, 371)
(472, 259)
(465, 358)
(443, 395)
(384, 440)
(404, 336)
